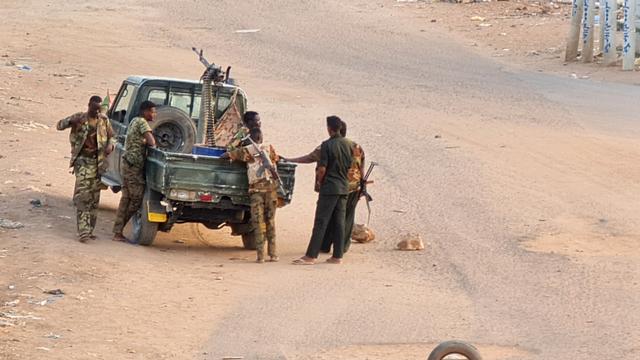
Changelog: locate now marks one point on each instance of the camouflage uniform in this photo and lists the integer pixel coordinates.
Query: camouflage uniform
(236, 142)
(263, 195)
(89, 162)
(132, 171)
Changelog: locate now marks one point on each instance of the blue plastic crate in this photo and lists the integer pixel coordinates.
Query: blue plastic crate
(208, 151)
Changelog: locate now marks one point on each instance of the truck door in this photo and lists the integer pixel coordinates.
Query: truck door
(119, 116)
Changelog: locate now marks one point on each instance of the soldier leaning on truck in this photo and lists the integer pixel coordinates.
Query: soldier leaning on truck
(139, 136)
(250, 120)
(92, 140)
(262, 191)
(354, 176)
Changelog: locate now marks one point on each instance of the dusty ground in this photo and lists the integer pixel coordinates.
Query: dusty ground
(523, 183)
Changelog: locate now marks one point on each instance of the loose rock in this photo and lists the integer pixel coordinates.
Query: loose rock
(362, 234)
(8, 224)
(411, 242)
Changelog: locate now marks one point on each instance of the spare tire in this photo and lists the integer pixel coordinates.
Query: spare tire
(174, 130)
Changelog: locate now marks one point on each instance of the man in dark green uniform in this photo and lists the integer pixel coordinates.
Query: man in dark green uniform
(333, 186)
(355, 177)
(139, 136)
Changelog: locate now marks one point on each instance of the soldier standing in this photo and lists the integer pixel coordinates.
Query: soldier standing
(333, 187)
(92, 140)
(262, 191)
(139, 136)
(355, 178)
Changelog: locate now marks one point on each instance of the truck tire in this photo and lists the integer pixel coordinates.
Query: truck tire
(455, 347)
(249, 240)
(174, 130)
(144, 232)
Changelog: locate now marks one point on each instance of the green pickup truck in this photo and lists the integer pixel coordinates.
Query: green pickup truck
(183, 187)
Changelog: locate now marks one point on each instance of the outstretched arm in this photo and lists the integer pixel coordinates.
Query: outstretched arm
(311, 157)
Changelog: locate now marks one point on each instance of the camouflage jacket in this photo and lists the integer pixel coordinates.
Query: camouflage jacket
(260, 180)
(236, 142)
(78, 136)
(355, 171)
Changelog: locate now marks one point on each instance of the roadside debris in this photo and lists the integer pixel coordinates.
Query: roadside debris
(36, 203)
(54, 292)
(14, 316)
(11, 225)
(411, 242)
(12, 303)
(26, 68)
(53, 336)
(362, 234)
(247, 31)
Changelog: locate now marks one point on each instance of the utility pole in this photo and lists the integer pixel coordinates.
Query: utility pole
(571, 54)
(629, 35)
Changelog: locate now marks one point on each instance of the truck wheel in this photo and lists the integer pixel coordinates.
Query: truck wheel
(144, 232)
(174, 130)
(249, 240)
(454, 347)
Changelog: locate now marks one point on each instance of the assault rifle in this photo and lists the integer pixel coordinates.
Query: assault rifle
(363, 188)
(266, 163)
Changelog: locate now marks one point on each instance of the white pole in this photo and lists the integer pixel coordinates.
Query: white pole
(608, 23)
(629, 35)
(571, 54)
(587, 30)
(601, 26)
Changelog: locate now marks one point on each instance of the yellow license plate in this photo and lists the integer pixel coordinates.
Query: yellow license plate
(157, 217)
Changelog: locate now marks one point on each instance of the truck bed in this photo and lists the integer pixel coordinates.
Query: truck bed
(200, 178)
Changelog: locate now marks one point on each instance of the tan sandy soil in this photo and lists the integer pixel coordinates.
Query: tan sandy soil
(523, 186)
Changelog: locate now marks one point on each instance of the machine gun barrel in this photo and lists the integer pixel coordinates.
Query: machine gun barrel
(201, 57)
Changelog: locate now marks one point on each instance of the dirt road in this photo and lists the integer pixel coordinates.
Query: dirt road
(524, 185)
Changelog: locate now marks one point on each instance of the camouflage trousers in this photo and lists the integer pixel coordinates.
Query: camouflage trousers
(133, 184)
(263, 219)
(86, 194)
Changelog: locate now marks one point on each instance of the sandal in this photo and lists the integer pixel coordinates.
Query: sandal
(120, 238)
(302, 261)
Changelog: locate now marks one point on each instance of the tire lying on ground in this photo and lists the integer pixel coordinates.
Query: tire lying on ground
(174, 130)
(455, 347)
